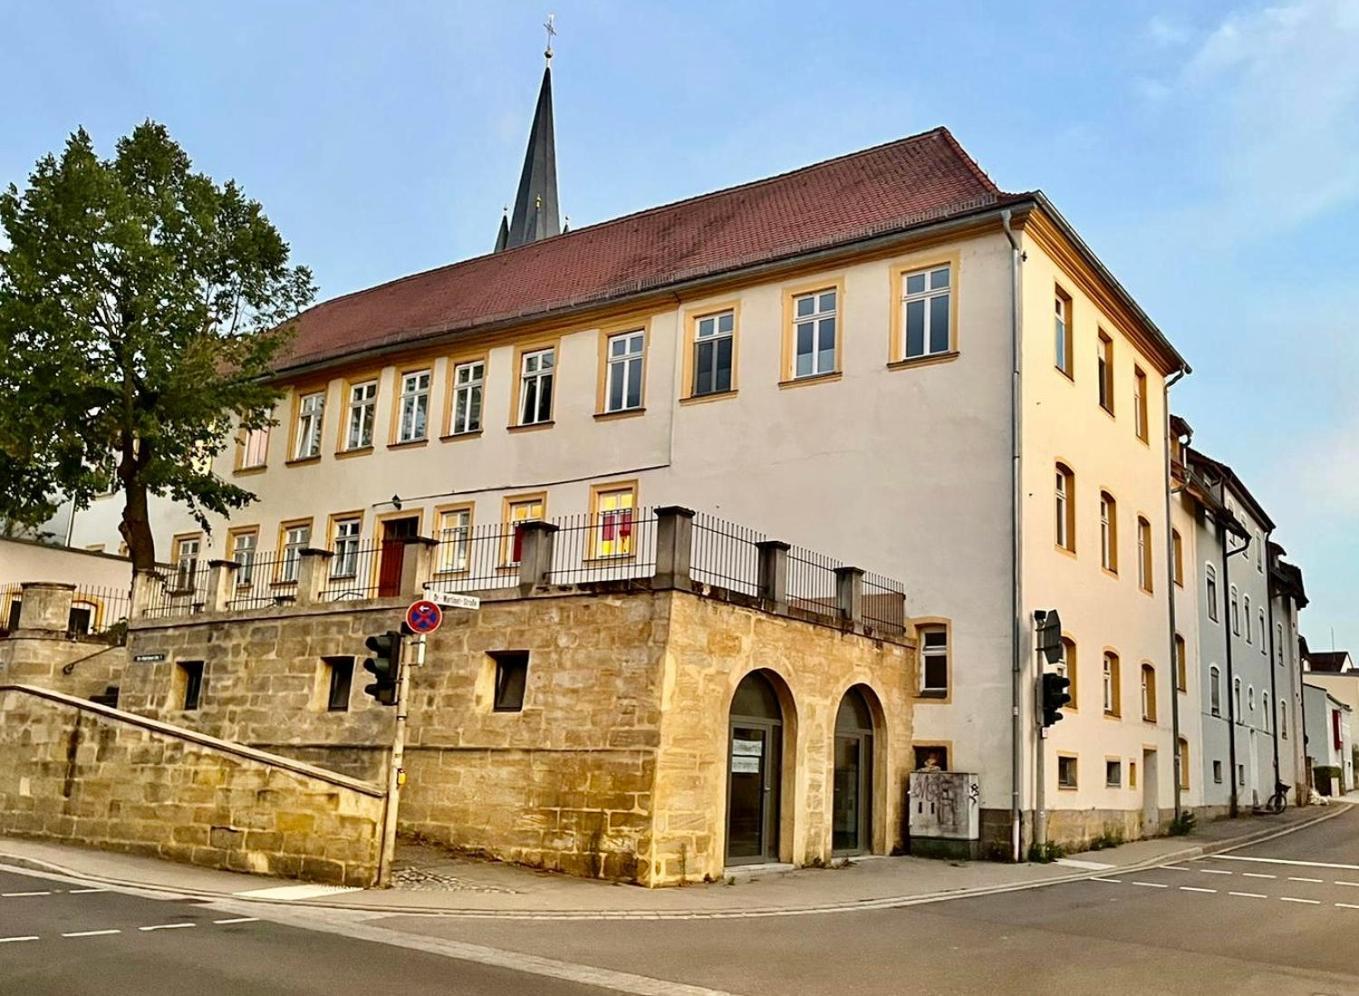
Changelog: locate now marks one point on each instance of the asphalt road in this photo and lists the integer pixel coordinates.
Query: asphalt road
(58, 938)
(1278, 917)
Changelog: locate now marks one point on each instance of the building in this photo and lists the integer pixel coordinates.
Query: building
(1330, 745)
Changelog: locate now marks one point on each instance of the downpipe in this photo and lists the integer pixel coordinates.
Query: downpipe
(1017, 257)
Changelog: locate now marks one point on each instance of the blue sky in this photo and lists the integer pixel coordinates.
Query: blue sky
(1208, 152)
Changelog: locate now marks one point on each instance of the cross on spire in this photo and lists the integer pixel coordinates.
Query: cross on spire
(551, 25)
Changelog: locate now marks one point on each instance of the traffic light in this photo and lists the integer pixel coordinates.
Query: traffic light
(1054, 696)
(384, 666)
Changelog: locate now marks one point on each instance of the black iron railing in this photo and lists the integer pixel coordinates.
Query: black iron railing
(725, 555)
(812, 582)
(604, 546)
(476, 557)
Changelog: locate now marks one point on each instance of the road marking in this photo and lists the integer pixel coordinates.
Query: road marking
(16, 895)
(1347, 906)
(1282, 861)
(1077, 863)
(239, 919)
(296, 891)
(1257, 875)
(1153, 885)
(1190, 888)
(1176, 868)
(11, 940)
(81, 892)
(1294, 878)
(1215, 871)
(1249, 895)
(1309, 902)
(91, 933)
(1355, 884)
(1111, 881)
(166, 926)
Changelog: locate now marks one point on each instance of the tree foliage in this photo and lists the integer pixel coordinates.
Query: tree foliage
(142, 306)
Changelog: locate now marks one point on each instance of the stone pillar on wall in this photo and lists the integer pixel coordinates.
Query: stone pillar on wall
(773, 573)
(535, 553)
(46, 606)
(313, 567)
(417, 564)
(221, 584)
(146, 588)
(849, 593)
(674, 546)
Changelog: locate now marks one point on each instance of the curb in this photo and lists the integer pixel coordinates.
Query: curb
(886, 902)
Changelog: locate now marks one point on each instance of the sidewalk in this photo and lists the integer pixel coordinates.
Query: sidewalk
(433, 883)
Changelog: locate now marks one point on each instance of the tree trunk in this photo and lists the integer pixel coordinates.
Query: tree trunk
(136, 528)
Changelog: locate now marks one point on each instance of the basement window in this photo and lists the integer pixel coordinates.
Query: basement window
(1113, 774)
(339, 673)
(191, 680)
(511, 676)
(1066, 772)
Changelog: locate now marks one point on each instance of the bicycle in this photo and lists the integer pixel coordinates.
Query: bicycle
(1279, 800)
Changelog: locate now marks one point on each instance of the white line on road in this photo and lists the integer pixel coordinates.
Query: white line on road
(1111, 881)
(1347, 906)
(1257, 875)
(11, 940)
(1355, 884)
(1249, 895)
(1215, 871)
(239, 919)
(1153, 885)
(1190, 888)
(166, 926)
(91, 933)
(1282, 861)
(296, 891)
(1309, 902)
(1294, 878)
(16, 895)
(82, 892)
(1177, 868)
(1078, 863)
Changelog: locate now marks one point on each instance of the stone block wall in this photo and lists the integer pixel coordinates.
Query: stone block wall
(79, 772)
(40, 652)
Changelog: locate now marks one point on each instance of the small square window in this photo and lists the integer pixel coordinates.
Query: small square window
(511, 677)
(339, 677)
(1066, 772)
(1113, 774)
(191, 680)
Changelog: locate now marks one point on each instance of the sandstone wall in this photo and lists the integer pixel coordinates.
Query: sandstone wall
(79, 772)
(79, 667)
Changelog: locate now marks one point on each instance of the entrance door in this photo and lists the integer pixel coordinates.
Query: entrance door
(394, 534)
(852, 805)
(1151, 810)
(753, 772)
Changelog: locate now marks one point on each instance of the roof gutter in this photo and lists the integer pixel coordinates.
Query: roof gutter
(692, 286)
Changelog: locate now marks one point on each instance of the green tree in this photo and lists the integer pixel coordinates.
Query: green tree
(142, 307)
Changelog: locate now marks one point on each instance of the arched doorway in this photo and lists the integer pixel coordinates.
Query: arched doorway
(754, 766)
(852, 806)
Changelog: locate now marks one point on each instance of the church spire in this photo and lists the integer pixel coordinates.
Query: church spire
(535, 214)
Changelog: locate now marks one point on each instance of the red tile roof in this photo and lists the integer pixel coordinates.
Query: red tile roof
(923, 178)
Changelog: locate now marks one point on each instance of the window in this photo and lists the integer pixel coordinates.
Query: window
(926, 313)
(295, 540)
(345, 563)
(527, 508)
(1113, 773)
(536, 370)
(254, 448)
(1140, 404)
(714, 353)
(1108, 532)
(1215, 691)
(1246, 613)
(930, 757)
(413, 420)
(339, 677)
(362, 406)
(1236, 613)
(1278, 644)
(244, 546)
(815, 321)
(1061, 325)
(511, 678)
(934, 664)
(455, 540)
(1144, 554)
(1236, 698)
(1148, 693)
(191, 683)
(1283, 719)
(1067, 668)
(1265, 711)
(1066, 771)
(1066, 508)
(1106, 373)
(614, 511)
(1177, 556)
(1259, 553)
(1181, 664)
(623, 375)
(1210, 586)
(468, 381)
(1111, 684)
(1182, 763)
(186, 562)
(1241, 774)
(1217, 772)
(1262, 630)
(1250, 697)
(310, 416)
